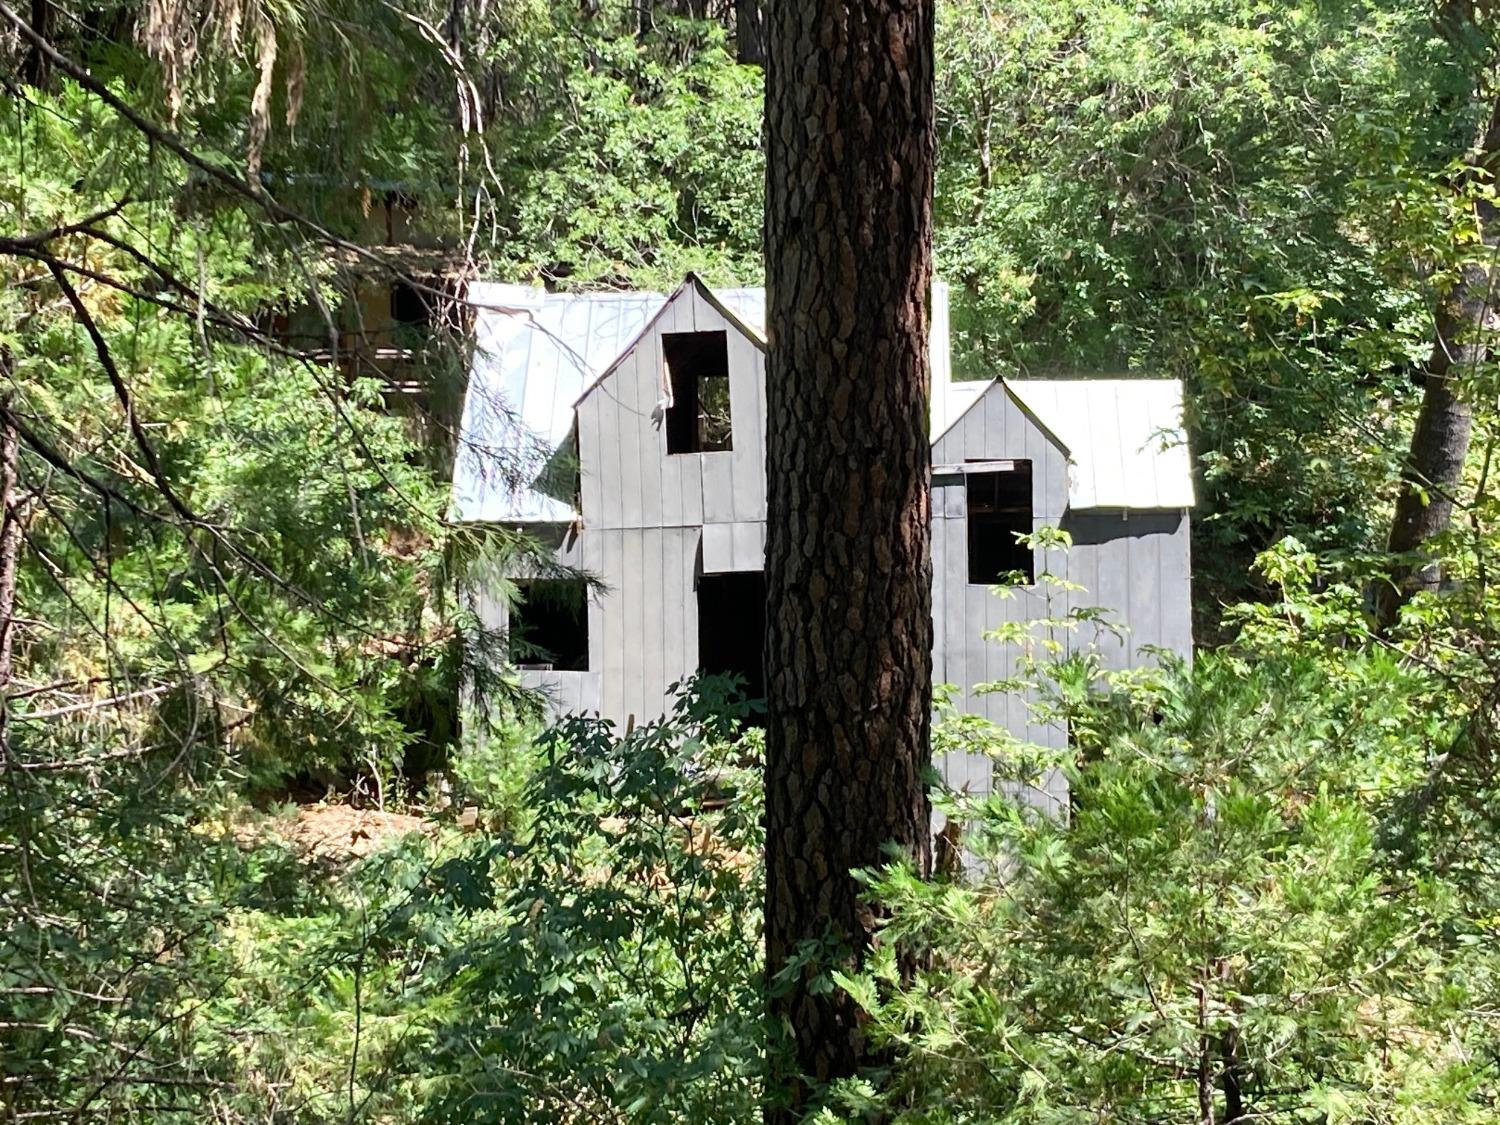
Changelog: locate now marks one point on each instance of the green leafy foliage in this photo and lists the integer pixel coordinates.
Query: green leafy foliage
(1250, 198)
(612, 969)
(1275, 885)
(1250, 909)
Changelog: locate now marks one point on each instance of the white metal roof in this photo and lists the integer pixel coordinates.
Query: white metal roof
(1124, 438)
(535, 354)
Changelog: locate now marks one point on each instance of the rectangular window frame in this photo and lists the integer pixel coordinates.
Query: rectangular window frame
(992, 522)
(561, 603)
(701, 417)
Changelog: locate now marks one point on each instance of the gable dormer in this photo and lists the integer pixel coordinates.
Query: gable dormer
(672, 433)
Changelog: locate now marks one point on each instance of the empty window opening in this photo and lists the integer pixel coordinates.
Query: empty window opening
(698, 366)
(999, 510)
(732, 628)
(549, 625)
(410, 305)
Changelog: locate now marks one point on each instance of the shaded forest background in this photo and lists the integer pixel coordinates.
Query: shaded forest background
(235, 237)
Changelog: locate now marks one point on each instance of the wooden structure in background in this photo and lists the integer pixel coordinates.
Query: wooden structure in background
(573, 426)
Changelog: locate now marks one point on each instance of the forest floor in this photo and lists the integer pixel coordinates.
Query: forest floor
(335, 831)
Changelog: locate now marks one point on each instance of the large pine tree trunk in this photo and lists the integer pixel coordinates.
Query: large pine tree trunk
(1440, 443)
(849, 627)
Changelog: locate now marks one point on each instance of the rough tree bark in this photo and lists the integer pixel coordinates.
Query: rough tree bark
(850, 141)
(1440, 443)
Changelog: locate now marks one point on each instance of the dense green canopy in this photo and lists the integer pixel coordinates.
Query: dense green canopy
(232, 344)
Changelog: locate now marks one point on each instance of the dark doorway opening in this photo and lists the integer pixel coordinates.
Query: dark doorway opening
(732, 628)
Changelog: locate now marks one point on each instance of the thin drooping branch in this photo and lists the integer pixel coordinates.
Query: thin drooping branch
(41, 238)
(251, 192)
(44, 449)
(122, 393)
(153, 465)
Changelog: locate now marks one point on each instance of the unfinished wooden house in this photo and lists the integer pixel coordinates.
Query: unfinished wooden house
(628, 430)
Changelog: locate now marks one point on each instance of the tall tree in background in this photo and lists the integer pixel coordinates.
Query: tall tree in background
(1463, 328)
(850, 140)
(750, 31)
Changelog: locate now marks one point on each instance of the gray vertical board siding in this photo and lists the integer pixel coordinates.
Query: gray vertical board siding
(1083, 569)
(940, 663)
(612, 570)
(718, 486)
(718, 548)
(747, 384)
(624, 388)
(684, 572)
(593, 471)
(1034, 605)
(748, 546)
(680, 546)
(591, 559)
(488, 608)
(651, 619)
(689, 486)
(972, 772)
(651, 435)
(1144, 607)
(638, 604)
(1139, 565)
(565, 693)
(653, 638)
(961, 638)
(1112, 558)
(948, 604)
(1177, 588)
(680, 590)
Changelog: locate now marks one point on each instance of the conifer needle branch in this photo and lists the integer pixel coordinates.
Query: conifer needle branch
(168, 140)
(122, 393)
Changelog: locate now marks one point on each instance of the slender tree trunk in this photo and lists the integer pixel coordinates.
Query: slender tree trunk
(10, 550)
(1232, 1058)
(1233, 1079)
(1205, 1057)
(10, 554)
(750, 31)
(36, 71)
(850, 140)
(1434, 466)
(1439, 447)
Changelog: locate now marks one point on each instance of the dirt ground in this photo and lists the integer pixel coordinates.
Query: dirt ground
(340, 832)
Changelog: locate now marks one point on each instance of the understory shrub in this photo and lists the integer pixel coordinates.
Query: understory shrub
(1216, 931)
